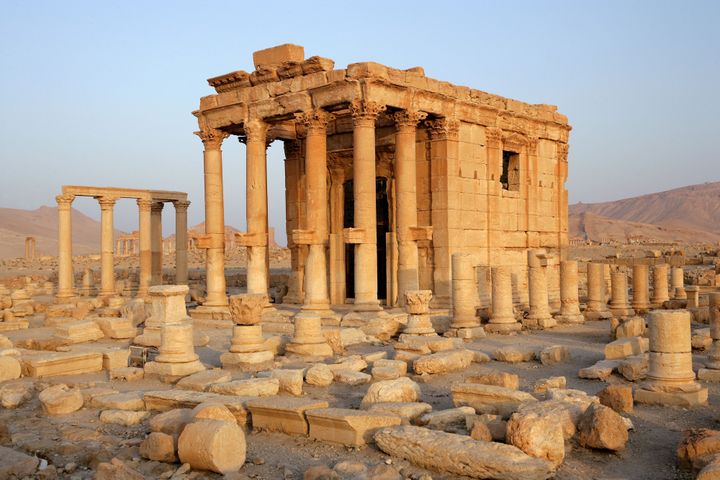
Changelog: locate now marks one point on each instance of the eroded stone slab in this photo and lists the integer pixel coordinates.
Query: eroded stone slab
(282, 414)
(347, 426)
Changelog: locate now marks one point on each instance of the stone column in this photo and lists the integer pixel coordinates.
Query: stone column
(145, 260)
(619, 305)
(677, 283)
(660, 284)
(248, 351)
(640, 302)
(88, 281)
(569, 301)
(417, 305)
(216, 301)
(316, 302)
(465, 322)
(107, 267)
(502, 319)
(292, 217)
(670, 377)
(181, 262)
(539, 316)
(177, 357)
(364, 114)
(168, 306)
(406, 200)
(711, 372)
(693, 297)
(156, 241)
(66, 278)
(256, 209)
(596, 308)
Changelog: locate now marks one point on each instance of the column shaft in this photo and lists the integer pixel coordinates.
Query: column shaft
(156, 242)
(660, 284)
(256, 209)
(107, 268)
(145, 260)
(65, 267)
(181, 265)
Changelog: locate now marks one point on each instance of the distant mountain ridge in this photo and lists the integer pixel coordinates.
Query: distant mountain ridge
(688, 214)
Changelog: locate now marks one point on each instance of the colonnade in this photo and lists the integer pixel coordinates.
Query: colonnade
(150, 237)
(30, 248)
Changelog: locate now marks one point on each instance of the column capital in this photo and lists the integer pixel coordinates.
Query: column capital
(106, 203)
(212, 138)
(157, 207)
(446, 128)
(292, 149)
(255, 131)
(493, 136)
(364, 112)
(64, 201)
(563, 149)
(314, 121)
(407, 120)
(181, 205)
(144, 205)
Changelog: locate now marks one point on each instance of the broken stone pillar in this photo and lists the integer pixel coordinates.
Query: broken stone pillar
(107, 266)
(145, 260)
(693, 296)
(177, 357)
(660, 284)
(216, 302)
(569, 301)
(308, 339)
(465, 322)
(711, 372)
(539, 316)
(66, 276)
(596, 308)
(640, 302)
(181, 263)
(168, 307)
(248, 350)
(502, 319)
(677, 283)
(88, 282)
(670, 377)
(619, 305)
(156, 243)
(417, 305)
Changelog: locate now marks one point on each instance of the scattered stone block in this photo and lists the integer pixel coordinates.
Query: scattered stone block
(354, 363)
(697, 444)
(630, 327)
(400, 390)
(617, 397)
(159, 447)
(116, 327)
(5, 342)
(48, 364)
(127, 374)
(450, 420)
(291, 380)
(700, 339)
(443, 362)
(461, 455)
(601, 370)
(554, 354)
(497, 378)
(212, 445)
(120, 401)
(10, 368)
(602, 428)
(493, 423)
(388, 369)
(626, 347)
(351, 377)
(126, 418)
(407, 411)
(480, 357)
(319, 375)
(254, 387)
(677, 399)
(171, 422)
(545, 384)
(213, 411)
(163, 400)
(201, 381)
(711, 471)
(514, 354)
(538, 435)
(634, 368)
(60, 400)
(13, 395)
(346, 426)
(115, 470)
(489, 398)
(282, 414)
(16, 464)
(79, 332)
(481, 432)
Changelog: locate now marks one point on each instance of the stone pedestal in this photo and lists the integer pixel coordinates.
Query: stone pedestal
(619, 305)
(417, 305)
(596, 308)
(248, 350)
(308, 340)
(693, 296)
(465, 322)
(711, 372)
(502, 319)
(177, 357)
(677, 283)
(640, 301)
(539, 316)
(660, 284)
(670, 377)
(569, 302)
(168, 307)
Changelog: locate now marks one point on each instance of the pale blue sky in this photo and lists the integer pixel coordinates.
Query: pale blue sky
(100, 93)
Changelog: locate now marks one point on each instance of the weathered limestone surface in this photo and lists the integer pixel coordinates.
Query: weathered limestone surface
(16, 464)
(461, 455)
(254, 387)
(212, 445)
(600, 427)
(164, 400)
(201, 381)
(537, 434)
(489, 398)
(60, 400)
(443, 362)
(400, 390)
(160, 447)
(48, 364)
(346, 426)
(282, 414)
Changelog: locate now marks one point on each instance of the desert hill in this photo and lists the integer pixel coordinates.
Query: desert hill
(688, 215)
(16, 224)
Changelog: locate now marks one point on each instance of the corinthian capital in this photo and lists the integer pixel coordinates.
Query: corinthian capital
(314, 121)
(181, 205)
(364, 112)
(106, 203)
(446, 128)
(144, 205)
(408, 119)
(64, 201)
(212, 138)
(255, 130)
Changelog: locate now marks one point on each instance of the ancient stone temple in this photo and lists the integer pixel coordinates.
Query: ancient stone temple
(388, 173)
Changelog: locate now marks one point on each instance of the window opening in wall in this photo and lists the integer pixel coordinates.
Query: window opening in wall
(510, 178)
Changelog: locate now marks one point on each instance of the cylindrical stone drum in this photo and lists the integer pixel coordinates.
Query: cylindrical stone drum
(660, 283)
(569, 288)
(308, 330)
(640, 286)
(502, 301)
(671, 368)
(714, 310)
(176, 343)
(246, 338)
(464, 291)
(596, 300)
(669, 331)
(619, 289)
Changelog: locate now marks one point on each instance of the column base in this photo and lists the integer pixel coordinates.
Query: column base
(249, 361)
(570, 319)
(361, 318)
(538, 323)
(678, 399)
(466, 333)
(150, 337)
(597, 316)
(709, 375)
(641, 308)
(317, 350)
(622, 311)
(172, 372)
(326, 315)
(64, 297)
(503, 328)
(372, 306)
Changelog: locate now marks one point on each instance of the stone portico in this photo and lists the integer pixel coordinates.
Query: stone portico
(388, 173)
